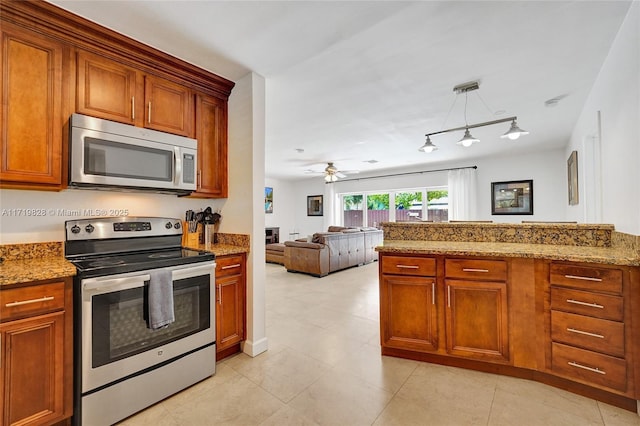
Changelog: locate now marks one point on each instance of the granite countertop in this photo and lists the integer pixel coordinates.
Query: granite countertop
(220, 249)
(608, 255)
(27, 270)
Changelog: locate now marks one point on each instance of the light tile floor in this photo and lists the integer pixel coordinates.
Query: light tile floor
(324, 367)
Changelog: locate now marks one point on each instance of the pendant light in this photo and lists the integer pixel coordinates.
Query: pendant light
(467, 140)
(428, 146)
(514, 132)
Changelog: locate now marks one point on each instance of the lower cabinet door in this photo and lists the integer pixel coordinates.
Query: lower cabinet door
(408, 313)
(477, 319)
(32, 370)
(229, 311)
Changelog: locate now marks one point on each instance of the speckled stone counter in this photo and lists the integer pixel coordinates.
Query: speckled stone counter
(227, 244)
(596, 243)
(607, 255)
(33, 262)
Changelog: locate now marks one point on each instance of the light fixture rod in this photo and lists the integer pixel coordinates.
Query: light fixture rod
(472, 126)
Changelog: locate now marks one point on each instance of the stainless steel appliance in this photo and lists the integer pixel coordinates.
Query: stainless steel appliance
(121, 364)
(106, 155)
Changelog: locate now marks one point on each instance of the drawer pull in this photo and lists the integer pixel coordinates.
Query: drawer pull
(586, 333)
(577, 277)
(407, 266)
(474, 270)
(26, 302)
(235, 265)
(584, 367)
(592, 305)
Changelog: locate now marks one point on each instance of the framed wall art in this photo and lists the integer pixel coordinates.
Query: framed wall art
(513, 197)
(572, 178)
(268, 199)
(314, 205)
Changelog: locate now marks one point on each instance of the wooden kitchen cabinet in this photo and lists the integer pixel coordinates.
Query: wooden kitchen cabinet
(168, 106)
(408, 307)
(477, 312)
(33, 100)
(108, 89)
(230, 304)
(211, 132)
(36, 365)
(588, 340)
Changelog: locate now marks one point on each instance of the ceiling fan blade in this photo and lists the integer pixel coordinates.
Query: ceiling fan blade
(340, 175)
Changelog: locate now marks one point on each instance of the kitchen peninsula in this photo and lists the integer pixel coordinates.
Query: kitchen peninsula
(553, 302)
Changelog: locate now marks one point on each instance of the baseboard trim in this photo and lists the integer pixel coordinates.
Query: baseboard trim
(253, 349)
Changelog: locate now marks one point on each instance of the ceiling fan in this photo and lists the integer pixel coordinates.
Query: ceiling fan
(332, 174)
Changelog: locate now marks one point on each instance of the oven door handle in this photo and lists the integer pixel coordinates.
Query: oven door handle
(110, 285)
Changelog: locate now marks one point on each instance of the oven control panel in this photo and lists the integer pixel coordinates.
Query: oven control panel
(121, 227)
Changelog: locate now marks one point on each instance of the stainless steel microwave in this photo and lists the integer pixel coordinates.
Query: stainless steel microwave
(104, 154)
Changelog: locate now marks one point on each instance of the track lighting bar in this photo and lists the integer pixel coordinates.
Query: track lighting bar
(472, 126)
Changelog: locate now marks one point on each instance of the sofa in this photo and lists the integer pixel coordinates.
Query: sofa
(338, 248)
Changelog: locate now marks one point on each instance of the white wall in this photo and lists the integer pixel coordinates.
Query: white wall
(615, 96)
(547, 169)
(283, 215)
(53, 208)
(246, 195)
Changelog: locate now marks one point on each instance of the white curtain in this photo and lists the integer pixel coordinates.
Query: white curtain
(462, 194)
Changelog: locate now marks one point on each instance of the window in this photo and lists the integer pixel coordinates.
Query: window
(408, 205)
(352, 210)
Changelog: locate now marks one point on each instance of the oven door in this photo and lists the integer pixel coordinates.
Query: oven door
(116, 341)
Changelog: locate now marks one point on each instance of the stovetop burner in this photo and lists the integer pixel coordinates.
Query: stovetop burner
(102, 265)
(115, 245)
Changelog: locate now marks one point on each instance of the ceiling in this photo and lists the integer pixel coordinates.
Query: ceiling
(354, 81)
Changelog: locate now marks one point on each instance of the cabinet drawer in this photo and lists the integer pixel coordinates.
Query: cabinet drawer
(476, 269)
(590, 367)
(591, 333)
(587, 303)
(32, 300)
(424, 266)
(587, 278)
(231, 265)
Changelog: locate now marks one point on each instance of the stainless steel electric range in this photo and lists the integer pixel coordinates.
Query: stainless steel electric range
(123, 363)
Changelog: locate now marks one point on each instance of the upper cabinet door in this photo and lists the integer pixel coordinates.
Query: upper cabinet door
(32, 103)
(169, 106)
(107, 89)
(211, 132)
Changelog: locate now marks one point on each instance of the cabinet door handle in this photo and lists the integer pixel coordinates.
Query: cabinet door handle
(199, 184)
(433, 293)
(577, 277)
(586, 333)
(474, 270)
(235, 265)
(149, 114)
(133, 107)
(407, 266)
(26, 302)
(219, 295)
(584, 367)
(448, 296)
(592, 305)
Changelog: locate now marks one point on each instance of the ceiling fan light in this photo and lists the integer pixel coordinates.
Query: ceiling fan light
(330, 177)
(467, 140)
(428, 146)
(514, 132)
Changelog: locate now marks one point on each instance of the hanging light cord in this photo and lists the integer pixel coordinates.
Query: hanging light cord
(466, 98)
(485, 104)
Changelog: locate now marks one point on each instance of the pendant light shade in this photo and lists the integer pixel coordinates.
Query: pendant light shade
(467, 140)
(514, 132)
(428, 146)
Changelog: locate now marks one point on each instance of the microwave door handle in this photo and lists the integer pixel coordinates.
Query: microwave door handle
(110, 285)
(177, 158)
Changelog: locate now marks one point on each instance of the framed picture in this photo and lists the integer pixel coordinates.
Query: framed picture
(268, 199)
(514, 197)
(314, 205)
(572, 178)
